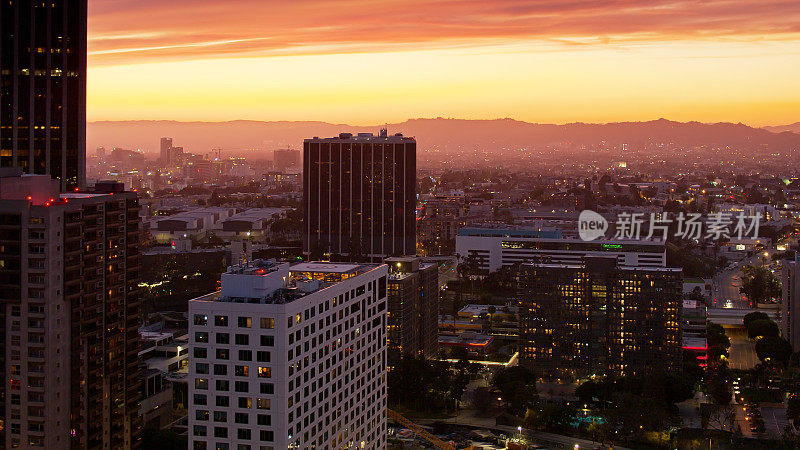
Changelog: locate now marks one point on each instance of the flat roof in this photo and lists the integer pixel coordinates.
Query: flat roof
(324, 267)
(362, 137)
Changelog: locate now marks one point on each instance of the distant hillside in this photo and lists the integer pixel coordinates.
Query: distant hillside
(794, 128)
(254, 138)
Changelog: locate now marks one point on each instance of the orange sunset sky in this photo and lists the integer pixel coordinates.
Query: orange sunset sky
(370, 62)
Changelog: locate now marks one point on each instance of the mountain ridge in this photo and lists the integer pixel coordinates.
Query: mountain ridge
(259, 137)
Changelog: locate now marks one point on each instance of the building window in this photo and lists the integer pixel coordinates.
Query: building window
(223, 385)
(242, 371)
(223, 400)
(200, 320)
(201, 368)
(263, 403)
(201, 383)
(245, 355)
(200, 352)
(267, 341)
(267, 323)
(243, 433)
(201, 414)
(221, 321)
(220, 416)
(262, 356)
(245, 402)
(264, 419)
(201, 336)
(223, 353)
(220, 432)
(199, 430)
(241, 418)
(200, 399)
(245, 322)
(223, 338)
(220, 369)
(267, 436)
(242, 339)
(241, 386)
(264, 372)
(267, 388)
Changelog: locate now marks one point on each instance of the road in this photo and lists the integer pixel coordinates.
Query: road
(743, 350)
(728, 281)
(774, 420)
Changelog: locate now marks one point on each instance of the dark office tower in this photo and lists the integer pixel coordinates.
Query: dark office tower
(70, 311)
(166, 150)
(43, 88)
(599, 318)
(359, 197)
(413, 308)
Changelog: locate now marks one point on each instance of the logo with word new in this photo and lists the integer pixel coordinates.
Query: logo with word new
(591, 225)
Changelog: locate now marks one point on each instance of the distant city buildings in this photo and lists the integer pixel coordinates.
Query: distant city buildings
(290, 357)
(599, 318)
(359, 196)
(286, 161)
(43, 87)
(166, 150)
(70, 310)
(413, 308)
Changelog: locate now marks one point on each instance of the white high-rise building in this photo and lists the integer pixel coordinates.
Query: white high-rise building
(290, 357)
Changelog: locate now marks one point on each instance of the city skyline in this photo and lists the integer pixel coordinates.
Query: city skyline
(718, 61)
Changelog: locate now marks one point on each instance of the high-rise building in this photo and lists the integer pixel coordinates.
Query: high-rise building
(790, 306)
(166, 150)
(69, 315)
(413, 308)
(284, 160)
(359, 196)
(43, 87)
(599, 318)
(290, 357)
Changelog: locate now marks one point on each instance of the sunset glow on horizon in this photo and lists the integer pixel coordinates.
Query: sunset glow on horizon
(362, 63)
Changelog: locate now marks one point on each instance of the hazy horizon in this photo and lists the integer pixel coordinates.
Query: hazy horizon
(443, 134)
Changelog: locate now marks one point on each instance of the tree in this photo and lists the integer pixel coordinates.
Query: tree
(491, 310)
(718, 342)
(717, 417)
(632, 414)
(773, 349)
(793, 407)
(762, 327)
(753, 316)
(759, 284)
(518, 388)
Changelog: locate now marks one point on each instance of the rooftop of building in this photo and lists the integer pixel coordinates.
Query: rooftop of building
(476, 310)
(471, 339)
(382, 136)
(254, 214)
(494, 230)
(265, 281)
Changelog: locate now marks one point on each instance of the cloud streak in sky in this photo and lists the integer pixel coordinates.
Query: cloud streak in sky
(134, 31)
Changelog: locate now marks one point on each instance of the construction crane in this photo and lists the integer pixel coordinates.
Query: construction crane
(421, 432)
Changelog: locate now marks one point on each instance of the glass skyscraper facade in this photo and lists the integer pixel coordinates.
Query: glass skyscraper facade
(359, 197)
(43, 88)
